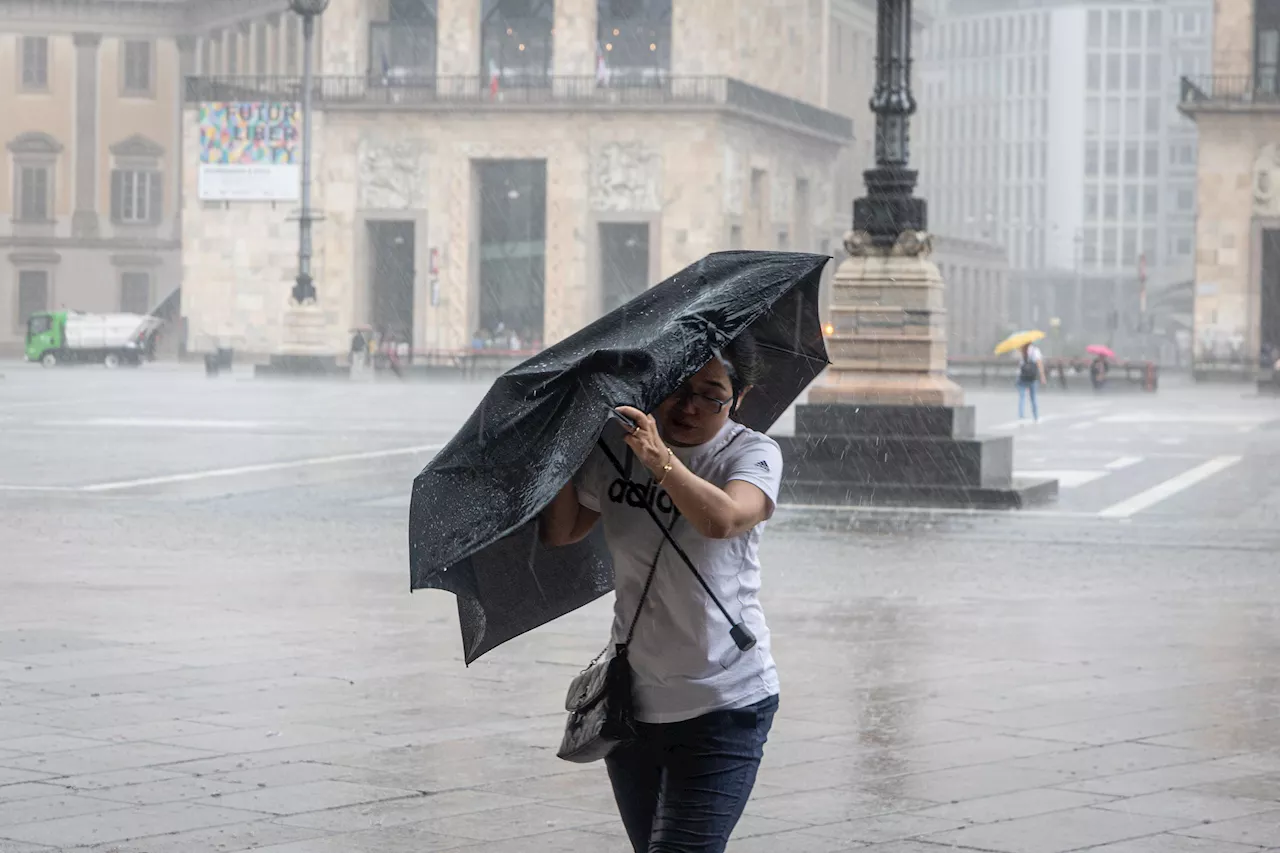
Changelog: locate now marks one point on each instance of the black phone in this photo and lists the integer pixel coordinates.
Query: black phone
(623, 419)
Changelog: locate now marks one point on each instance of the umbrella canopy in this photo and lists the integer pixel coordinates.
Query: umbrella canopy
(473, 515)
(1018, 340)
(1099, 349)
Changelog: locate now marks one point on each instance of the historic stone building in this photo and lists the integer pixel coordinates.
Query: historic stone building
(1236, 108)
(510, 170)
(90, 105)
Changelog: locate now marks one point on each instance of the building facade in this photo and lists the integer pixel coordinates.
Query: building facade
(1235, 104)
(1051, 128)
(504, 172)
(90, 94)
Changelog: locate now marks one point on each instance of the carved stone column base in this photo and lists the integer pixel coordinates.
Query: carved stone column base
(304, 345)
(886, 389)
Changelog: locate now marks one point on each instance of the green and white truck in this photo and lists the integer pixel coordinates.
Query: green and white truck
(68, 337)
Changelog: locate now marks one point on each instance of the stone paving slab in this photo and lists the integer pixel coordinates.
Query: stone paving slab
(239, 666)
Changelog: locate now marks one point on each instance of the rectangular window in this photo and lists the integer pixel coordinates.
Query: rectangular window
(1131, 159)
(1153, 28)
(1133, 29)
(1155, 73)
(292, 53)
(1153, 115)
(1090, 246)
(1133, 72)
(1150, 203)
(1133, 117)
(1113, 71)
(1114, 24)
(1113, 117)
(259, 47)
(1129, 247)
(1148, 248)
(1131, 202)
(35, 193)
(33, 294)
(1109, 247)
(35, 63)
(1151, 156)
(137, 67)
(1111, 159)
(135, 292)
(1109, 204)
(1090, 202)
(1186, 200)
(1093, 72)
(1091, 159)
(137, 197)
(1095, 28)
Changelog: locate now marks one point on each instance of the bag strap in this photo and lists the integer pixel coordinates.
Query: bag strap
(644, 594)
(667, 537)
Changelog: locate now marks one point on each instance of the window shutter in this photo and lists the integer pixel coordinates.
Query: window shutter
(155, 200)
(117, 195)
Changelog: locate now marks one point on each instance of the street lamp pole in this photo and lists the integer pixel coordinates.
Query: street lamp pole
(303, 289)
(889, 208)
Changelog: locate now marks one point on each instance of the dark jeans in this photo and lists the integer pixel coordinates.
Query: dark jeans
(681, 787)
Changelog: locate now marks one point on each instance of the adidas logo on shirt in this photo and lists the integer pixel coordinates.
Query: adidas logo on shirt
(762, 465)
(639, 495)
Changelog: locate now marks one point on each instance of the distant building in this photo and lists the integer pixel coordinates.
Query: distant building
(1051, 128)
(977, 278)
(1235, 103)
(508, 171)
(90, 95)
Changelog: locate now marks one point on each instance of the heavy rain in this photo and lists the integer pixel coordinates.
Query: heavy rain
(502, 426)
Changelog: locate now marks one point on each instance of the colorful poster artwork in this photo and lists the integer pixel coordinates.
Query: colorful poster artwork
(250, 151)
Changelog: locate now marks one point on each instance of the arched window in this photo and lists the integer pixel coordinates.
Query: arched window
(516, 42)
(633, 42)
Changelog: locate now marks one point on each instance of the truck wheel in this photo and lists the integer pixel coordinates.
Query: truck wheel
(111, 361)
(49, 359)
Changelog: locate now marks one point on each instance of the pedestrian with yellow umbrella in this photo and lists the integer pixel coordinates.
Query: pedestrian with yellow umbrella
(1030, 368)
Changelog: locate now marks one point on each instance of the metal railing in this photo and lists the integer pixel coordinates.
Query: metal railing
(1234, 89)
(480, 92)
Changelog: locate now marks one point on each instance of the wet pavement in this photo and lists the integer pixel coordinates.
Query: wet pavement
(207, 641)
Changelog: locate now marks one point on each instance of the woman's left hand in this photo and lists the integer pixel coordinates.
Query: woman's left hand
(645, 441)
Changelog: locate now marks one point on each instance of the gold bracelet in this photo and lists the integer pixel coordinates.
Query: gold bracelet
(666, 469)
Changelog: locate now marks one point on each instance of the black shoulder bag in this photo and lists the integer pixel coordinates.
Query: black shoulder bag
(599, 701)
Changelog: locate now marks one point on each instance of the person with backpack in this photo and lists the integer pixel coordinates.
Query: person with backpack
(1030, 377)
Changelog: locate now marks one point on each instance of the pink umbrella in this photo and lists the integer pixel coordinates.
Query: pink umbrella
(1099, 349)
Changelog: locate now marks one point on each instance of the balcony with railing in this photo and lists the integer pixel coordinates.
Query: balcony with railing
(1230, 93)
(379, 91)
(402, 51)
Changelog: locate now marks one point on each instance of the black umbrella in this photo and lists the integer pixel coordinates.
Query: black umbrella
(473, 518)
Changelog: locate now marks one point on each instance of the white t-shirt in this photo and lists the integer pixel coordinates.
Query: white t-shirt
(685, 662)
(1033, 354)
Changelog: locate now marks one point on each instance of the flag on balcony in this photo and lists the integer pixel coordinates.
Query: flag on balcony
(494, 74)
(602, 68)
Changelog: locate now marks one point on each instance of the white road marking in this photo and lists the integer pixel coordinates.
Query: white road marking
(178, 423)
(1238, 419)
(11, 488)
(1021, 423)
(1122, 463)
(257, 469)
(1169, 488)
(1083, 425)
(1067, 479)
(926, 510)
(1171, 442)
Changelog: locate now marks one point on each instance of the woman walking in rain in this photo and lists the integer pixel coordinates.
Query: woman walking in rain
(1030, 378)
(703, 706)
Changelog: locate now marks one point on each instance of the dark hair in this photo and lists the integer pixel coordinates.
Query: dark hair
(743, 357)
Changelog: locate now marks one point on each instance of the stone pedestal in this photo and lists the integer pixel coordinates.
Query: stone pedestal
(885, 425)
(304, 347)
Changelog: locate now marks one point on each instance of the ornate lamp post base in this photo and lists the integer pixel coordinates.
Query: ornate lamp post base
(886, 425)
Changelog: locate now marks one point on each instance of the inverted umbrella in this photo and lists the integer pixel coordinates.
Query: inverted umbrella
(1099, 349)
(1018, 340)
(473, 515)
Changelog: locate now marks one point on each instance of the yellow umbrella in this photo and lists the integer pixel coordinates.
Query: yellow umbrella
(1018, 340)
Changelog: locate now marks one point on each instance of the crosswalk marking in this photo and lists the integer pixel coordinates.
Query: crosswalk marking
(1122, 463)
(1163, 491)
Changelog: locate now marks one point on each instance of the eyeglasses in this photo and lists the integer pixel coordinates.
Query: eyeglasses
(701, 402)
